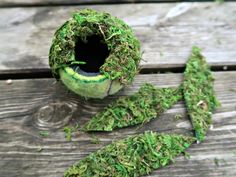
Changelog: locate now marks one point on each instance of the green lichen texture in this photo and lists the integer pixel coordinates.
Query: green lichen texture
(199, 93)
(124, 57)
(141, 107)
(131, 157)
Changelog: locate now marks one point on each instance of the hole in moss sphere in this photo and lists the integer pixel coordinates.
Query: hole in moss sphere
(93, 53)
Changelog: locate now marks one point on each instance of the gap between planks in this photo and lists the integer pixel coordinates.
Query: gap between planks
(46, 73)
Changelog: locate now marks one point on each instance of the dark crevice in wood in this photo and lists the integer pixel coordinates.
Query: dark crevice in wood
(181, 69)
(46, 73)
(25, 74)
(104, 2)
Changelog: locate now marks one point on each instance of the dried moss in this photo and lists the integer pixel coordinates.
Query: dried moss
(122, 62)
(199, 93)
(148, 103)
(134, 156)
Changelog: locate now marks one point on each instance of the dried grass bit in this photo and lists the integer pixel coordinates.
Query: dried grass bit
(202, 105)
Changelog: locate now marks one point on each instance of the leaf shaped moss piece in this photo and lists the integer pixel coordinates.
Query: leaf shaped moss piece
(199, 93)
(134, 156)
(148, 103)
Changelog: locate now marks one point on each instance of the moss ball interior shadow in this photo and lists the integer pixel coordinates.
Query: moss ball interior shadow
(94, 54)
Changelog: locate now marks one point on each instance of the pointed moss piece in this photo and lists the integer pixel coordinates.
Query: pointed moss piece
(134, 156)
(199, 93)
(148, 103)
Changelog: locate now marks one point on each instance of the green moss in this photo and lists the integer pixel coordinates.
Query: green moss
(95, 139)
(68, 131)
(44, 133)
(220, 1)
(148, 103)
(199, 93)
(216, 161)
(122, 62)
(134, 156)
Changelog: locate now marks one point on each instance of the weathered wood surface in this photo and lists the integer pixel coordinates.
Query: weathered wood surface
(15, 3)
(167, 32)
(28, 106)
(5, 3)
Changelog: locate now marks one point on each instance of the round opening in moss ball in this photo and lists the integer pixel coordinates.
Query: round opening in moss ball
(94, 54)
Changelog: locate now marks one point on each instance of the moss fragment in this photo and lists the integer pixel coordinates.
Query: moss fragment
(44, 133)
(68, 132)
(220, 1)
(199, 93)
(148, 103)
(134, 156)
(95, 140)
(178, 117)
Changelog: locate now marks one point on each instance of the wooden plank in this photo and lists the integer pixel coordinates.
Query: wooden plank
(167, 31)
(15, 3)
(28, 106)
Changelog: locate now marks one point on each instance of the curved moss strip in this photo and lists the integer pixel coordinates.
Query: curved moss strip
(134, 156)
(148, 103)
(124, 47)
(199, 93)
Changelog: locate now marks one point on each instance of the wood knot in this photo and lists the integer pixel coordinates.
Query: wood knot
(53, 115)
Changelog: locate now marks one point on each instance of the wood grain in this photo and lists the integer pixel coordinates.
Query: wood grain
(167, 32)
(29, 106)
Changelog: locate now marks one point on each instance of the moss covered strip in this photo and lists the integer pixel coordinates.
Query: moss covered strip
(199, 93)
(148, 103)
(134, 156)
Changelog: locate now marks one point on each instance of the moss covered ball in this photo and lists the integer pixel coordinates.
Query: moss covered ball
(94, 54)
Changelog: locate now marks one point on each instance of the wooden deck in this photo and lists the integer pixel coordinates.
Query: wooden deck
(35, 102)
